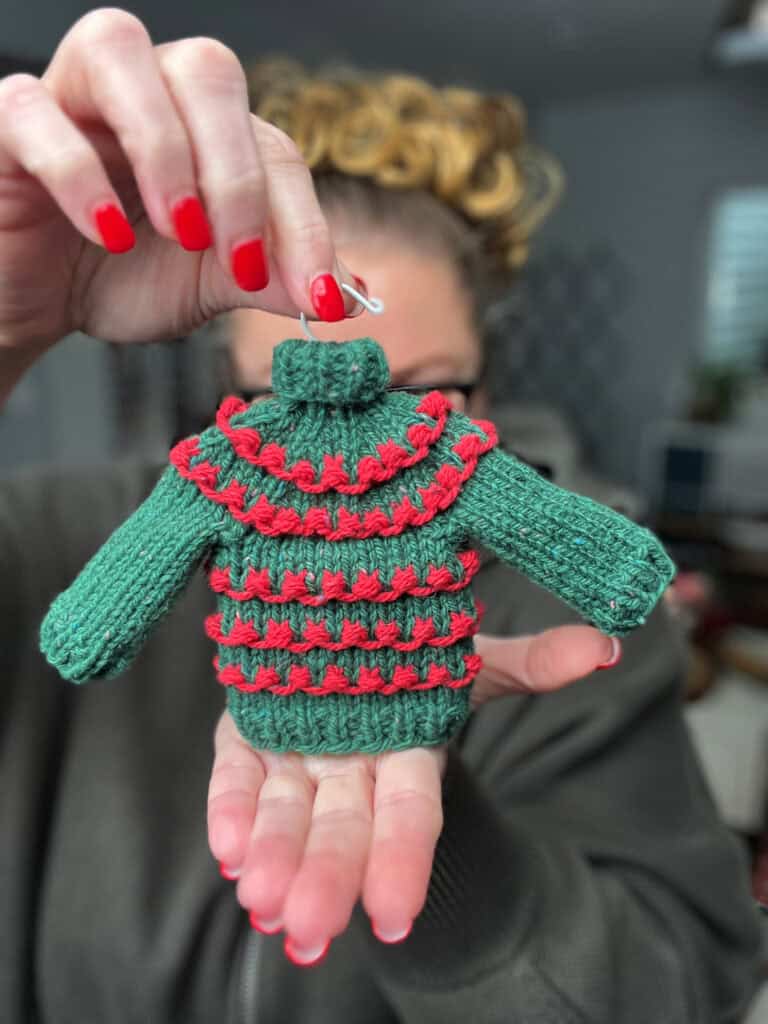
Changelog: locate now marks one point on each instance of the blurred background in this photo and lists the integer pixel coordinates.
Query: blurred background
(630, 356)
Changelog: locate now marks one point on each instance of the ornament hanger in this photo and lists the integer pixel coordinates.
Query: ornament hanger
(372, 305)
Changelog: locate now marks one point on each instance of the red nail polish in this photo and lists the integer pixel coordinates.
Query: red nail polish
(249, 265)
(257, 924)
(290, 952)
(192, 228)
(114, 228)
(327, 300)
(616, 657)
(362, 287)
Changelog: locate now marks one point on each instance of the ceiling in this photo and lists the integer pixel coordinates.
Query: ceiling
(541, 49)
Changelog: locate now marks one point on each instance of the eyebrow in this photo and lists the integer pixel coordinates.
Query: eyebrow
(445, 376)
(436, 370)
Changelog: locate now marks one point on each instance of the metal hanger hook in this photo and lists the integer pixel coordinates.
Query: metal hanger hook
(372, 305)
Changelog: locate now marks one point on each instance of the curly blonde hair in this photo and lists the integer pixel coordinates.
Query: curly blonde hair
(401, 134)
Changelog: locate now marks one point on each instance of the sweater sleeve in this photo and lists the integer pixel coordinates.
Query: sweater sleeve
(582, 874)
(96, 627)
(610, 569)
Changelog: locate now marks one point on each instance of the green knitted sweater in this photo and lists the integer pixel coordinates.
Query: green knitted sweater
(334, 523)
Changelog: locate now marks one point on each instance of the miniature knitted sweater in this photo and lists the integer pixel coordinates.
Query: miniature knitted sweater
(334, 523)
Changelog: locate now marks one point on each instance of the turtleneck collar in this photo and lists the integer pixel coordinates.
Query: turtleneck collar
(331, 372)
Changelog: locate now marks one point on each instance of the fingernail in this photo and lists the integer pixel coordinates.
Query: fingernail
(304, 957)
(229, 873)
(267, 927)
(391, 936)
(327, 300)
(192, 228)
(117, 234)
(357, 306)
(615, 656)
(249, 265)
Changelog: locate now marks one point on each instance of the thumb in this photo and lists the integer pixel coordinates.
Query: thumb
(541, 662)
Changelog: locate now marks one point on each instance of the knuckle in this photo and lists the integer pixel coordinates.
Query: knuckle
(150, 146)
(405, 799)
(230, 779)
(283, 787)
(541, 665)
(71, 164)
(276, 146)
(311, 233)
(204, 56)
(249, 182)
(277, 804)
(111, 25)
(19, 89)
(345, 816)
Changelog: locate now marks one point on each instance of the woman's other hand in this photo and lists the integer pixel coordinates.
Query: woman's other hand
(139, 196)
(307, 836)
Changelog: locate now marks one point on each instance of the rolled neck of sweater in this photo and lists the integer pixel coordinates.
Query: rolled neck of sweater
(330, 372)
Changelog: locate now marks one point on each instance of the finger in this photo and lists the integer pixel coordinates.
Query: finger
(329, 881)
(276, 841)
(303, 247)
(105, 69)
(236, 153)
(408, 819)
(36, 135)
(542, 662)
(236, 780)
(209, 88)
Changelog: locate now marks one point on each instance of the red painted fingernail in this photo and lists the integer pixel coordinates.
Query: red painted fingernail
(357, 307)
(304, 957)
(192, 228)
(117, 234)
(391, 937)
(265, 927)
(327, 300)
(249, 265)
(616, 656)
(228, 873)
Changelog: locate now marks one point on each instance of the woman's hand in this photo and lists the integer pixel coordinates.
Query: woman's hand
(307, 837)
(148, 131)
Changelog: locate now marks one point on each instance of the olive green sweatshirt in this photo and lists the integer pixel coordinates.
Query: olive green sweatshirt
(582, 874)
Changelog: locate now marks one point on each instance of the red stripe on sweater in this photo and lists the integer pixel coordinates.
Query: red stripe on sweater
(336, 680)
(278, 520)
(280, 635)
(370, 470)
(334, 587)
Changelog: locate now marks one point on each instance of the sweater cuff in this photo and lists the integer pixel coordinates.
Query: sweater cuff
(481, 893)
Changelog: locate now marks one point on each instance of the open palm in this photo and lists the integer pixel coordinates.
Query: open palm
(307, 836)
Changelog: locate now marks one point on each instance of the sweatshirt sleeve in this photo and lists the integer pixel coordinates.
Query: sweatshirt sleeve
(582, 874)
(610, 569)
(97, 626)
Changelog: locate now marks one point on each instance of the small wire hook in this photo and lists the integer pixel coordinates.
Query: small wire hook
(372, 305)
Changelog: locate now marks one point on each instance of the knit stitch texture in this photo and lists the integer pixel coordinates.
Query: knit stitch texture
(334, 523)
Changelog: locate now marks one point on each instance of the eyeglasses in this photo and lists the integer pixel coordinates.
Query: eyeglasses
(465, 388)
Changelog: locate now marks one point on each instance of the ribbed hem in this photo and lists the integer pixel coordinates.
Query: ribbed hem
(343, 724)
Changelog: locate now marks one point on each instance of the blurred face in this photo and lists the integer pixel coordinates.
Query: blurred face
(426, 328)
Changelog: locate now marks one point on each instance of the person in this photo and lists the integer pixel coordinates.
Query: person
(561, 859)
